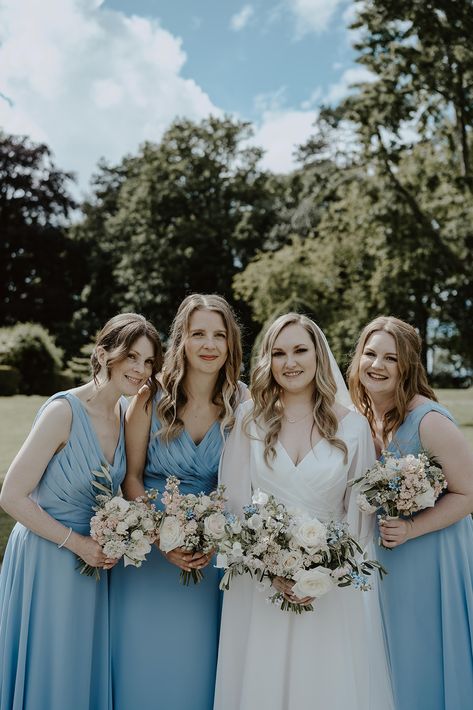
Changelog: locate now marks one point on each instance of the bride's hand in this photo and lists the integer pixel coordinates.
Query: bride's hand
(284, 586)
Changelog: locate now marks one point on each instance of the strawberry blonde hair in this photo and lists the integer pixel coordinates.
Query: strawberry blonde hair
(412, 375)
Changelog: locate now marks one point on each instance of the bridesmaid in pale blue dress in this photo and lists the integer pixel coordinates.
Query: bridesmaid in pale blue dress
(427, 596)
(54, 628)
(164, 635)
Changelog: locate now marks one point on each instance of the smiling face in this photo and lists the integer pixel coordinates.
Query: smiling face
(206, 346)
(378, 369)
(293, 359)
(132, 373)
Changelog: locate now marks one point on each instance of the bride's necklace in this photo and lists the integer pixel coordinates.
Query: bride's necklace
(298, 419)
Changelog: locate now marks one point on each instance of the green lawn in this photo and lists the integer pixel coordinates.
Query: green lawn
(17, 415)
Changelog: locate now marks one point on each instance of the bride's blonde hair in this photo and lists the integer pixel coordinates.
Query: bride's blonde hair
(226, 394)
(268, 408)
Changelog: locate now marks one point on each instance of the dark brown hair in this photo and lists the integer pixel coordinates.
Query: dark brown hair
(117, 338)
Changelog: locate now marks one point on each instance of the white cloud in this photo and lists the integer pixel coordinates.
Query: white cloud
(91, 81)
(341, 88)
(313, 15)
(240, 19)
(279, 132)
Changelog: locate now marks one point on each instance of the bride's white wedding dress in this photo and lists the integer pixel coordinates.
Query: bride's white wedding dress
(334, 657)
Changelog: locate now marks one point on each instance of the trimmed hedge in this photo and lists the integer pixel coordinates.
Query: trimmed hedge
(31, 349)
(9, 380)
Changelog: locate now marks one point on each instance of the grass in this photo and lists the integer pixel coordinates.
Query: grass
(17, 414)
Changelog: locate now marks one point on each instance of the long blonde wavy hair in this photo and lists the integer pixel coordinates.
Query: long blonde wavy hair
(226, 394)
(412, 375)
(268, 408)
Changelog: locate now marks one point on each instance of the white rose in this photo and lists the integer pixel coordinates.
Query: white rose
(214, 526)
(137, 534)
(291, 560)
(147, 524)
(311, 534)
(425, 499)
(122, 528)
(312, 582)
(171, 534)
(259, 497)
(364, 505)
(255, 522)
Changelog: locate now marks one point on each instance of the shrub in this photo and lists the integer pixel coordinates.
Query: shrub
(31, 349)
(9, 380)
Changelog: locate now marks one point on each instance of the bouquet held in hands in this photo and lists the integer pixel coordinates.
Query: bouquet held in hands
(400, 486)
(195, 523)
(272, 541)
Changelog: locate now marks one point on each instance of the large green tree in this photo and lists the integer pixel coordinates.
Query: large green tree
(183, 215)
(383, 206)
(40, 268)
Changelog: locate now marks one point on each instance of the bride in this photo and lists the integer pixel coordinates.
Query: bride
(299, 441)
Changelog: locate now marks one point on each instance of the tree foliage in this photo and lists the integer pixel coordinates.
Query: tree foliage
(40, 268)
(183, 215)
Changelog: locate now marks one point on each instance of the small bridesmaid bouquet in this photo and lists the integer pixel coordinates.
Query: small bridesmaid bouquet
(272, 541)
(123, 528)
(400, 486)
(193, 522)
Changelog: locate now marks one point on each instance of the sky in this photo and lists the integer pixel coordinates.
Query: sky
(95, 78)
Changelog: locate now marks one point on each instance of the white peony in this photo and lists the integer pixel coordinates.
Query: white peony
(312, 582)
(425, 499)
(259, 497)
(171, 534)
(214, 526)
(310, 534)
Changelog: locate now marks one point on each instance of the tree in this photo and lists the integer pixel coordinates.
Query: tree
(40, 268)
(183, 215)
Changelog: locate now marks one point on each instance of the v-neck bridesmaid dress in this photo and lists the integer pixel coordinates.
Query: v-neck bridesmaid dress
(164, 635)
(54, 632)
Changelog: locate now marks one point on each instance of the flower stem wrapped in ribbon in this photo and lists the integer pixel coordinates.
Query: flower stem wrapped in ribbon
(123, 528)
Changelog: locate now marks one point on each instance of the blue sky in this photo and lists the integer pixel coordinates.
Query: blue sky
(95, 78)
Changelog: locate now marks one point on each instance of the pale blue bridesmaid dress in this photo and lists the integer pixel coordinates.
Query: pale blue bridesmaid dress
(164, 635)
(427, 604)
(54, 627)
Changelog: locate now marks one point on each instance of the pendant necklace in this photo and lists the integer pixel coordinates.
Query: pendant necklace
(295, 421)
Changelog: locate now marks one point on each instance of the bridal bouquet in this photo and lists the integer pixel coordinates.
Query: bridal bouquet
(400, 486)
(272, 541)
(123, 528)
(194, 522)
